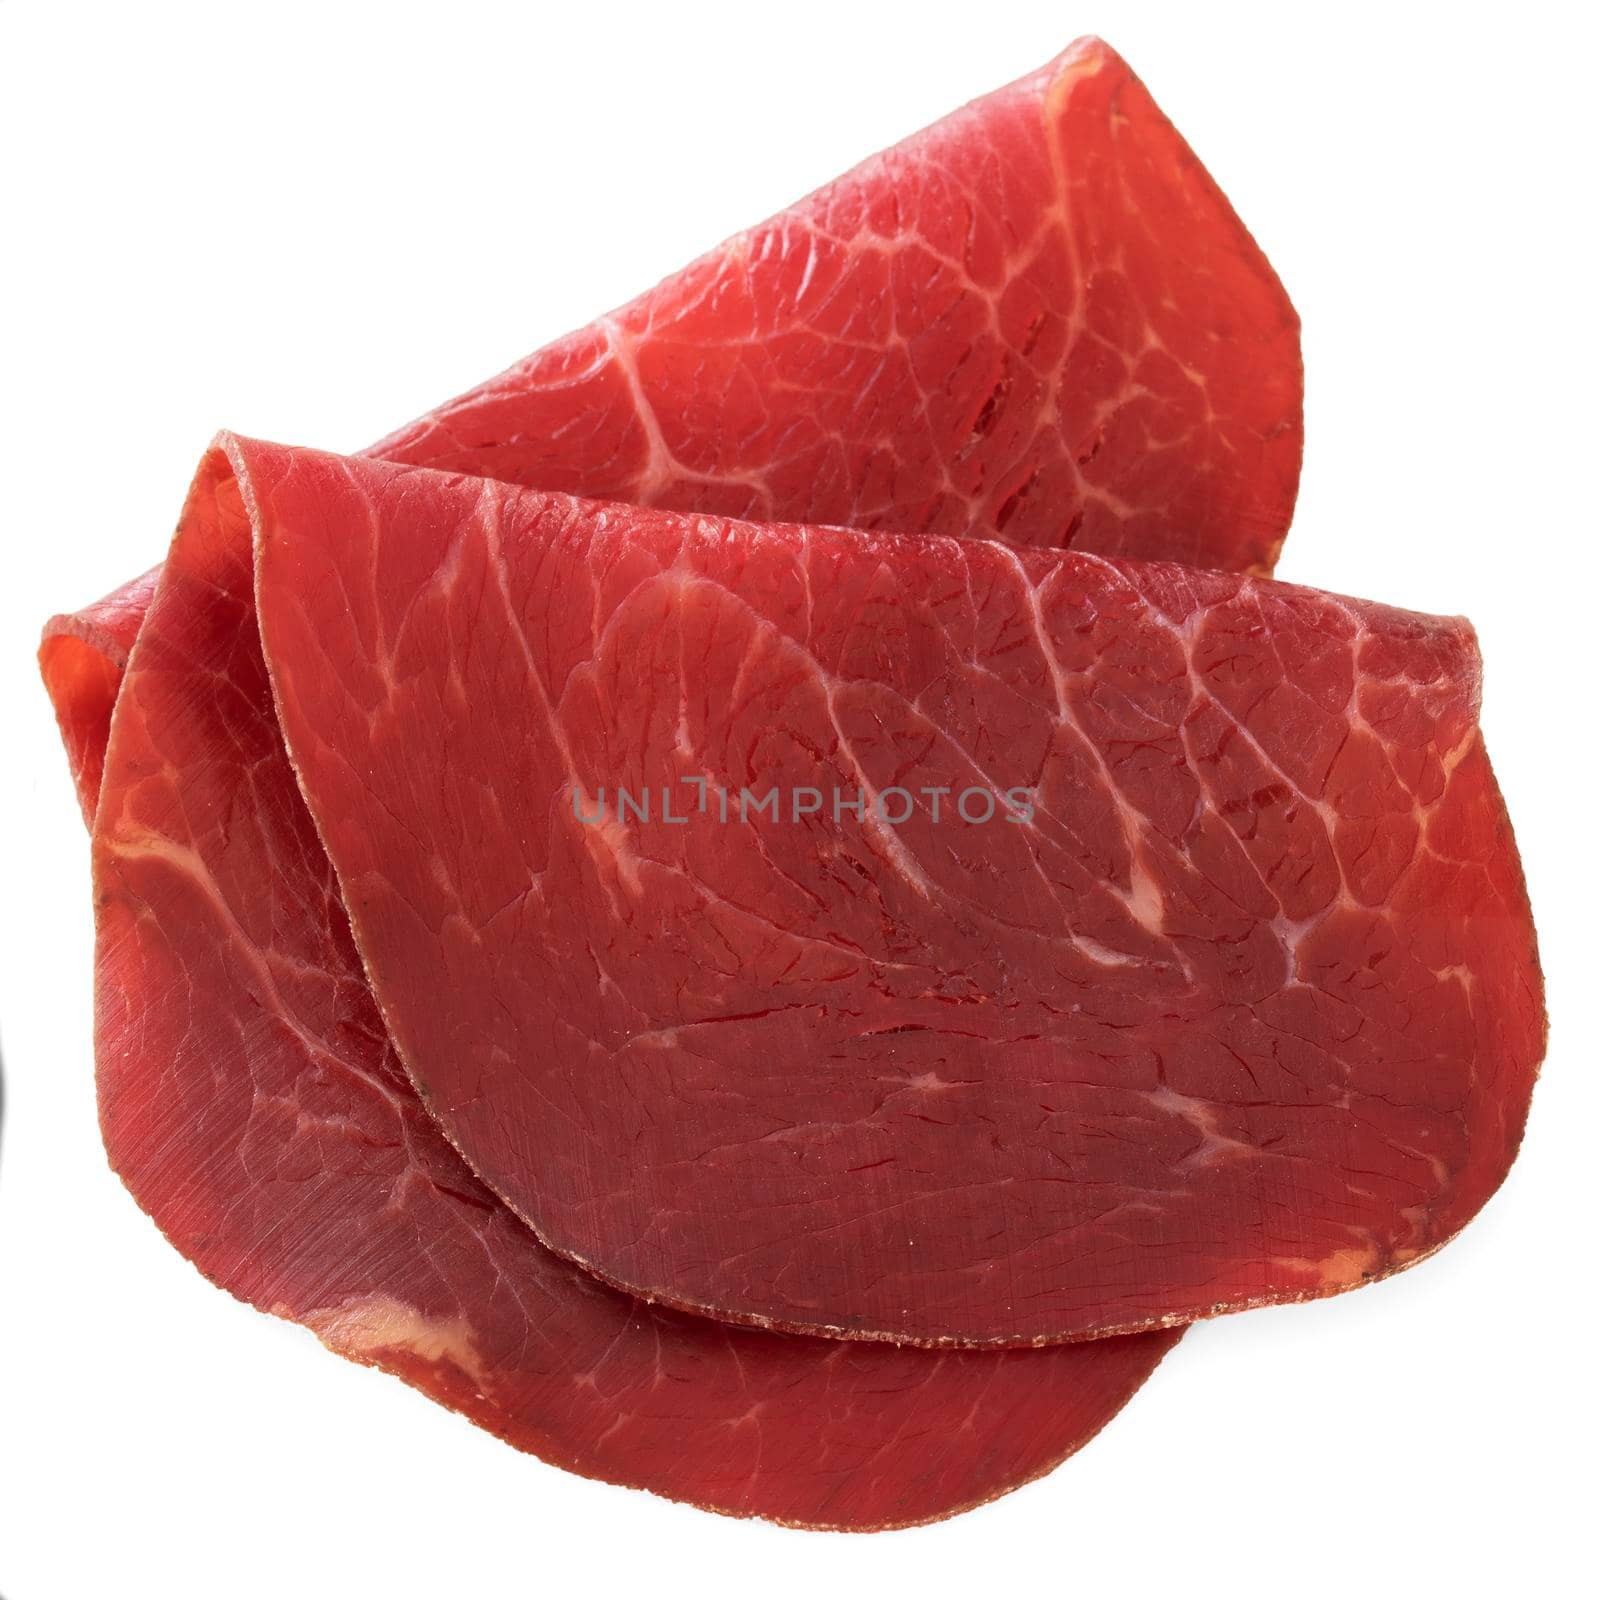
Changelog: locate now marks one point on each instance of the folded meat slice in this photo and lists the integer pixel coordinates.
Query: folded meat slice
(83, 658)
(1211, 982)
(1039, 318)
(253, 1104)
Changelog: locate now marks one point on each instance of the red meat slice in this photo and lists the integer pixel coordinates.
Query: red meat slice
(1059, 399)
(253, 1104)
(83, 658)
(1248, 1011)
(1039, 318)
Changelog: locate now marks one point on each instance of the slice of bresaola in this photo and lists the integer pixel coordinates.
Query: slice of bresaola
(1067, 371)
(253, 1104)
(83, 658)
(1039, 319)
(906, 938)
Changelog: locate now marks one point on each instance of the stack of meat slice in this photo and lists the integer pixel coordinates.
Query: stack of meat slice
(847, 1166)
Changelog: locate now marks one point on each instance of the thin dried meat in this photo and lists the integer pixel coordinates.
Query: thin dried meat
(252, 1102)
(1214, 985)
(1038, 319)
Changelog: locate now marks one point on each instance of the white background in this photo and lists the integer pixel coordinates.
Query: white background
(311, 222)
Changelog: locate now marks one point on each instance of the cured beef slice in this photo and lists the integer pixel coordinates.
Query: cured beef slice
(83, 658)
(1247, 1010)
(1039, 318)
(1053, 377)
(253, 1104)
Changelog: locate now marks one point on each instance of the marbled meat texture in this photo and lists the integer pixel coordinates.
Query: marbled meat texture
(1244, 1009)
(1039, 318)
(252, 1102)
